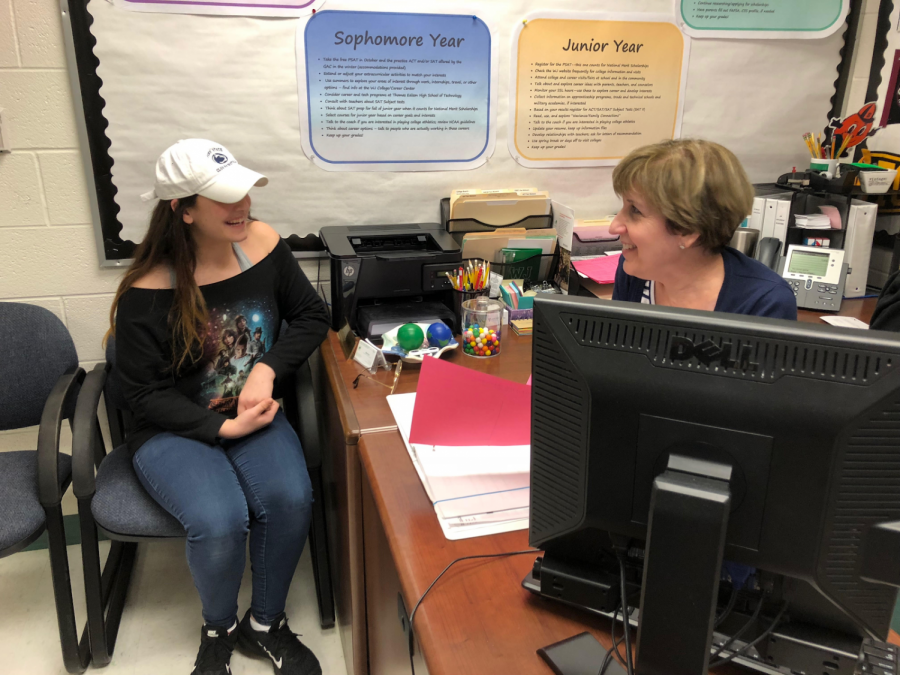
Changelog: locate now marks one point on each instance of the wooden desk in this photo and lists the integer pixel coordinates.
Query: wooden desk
(478, 618)
(350, 415)
(385, 540)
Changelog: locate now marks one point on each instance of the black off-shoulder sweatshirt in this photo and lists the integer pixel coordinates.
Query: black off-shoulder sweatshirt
(246, 313)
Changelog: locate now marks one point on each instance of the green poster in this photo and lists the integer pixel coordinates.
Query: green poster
(762, 18)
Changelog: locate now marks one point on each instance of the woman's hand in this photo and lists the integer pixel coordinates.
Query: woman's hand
(257, 388)
(250, 420)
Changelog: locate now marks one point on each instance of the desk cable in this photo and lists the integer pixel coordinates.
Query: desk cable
(750, 623)
(615, 643)
(626, 626)
(412, 616)
(746, 648)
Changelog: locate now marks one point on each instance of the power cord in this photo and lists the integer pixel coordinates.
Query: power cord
(620, 546)
(732, 600)
(614, 649)
(629, 665)
(412, 616)
(746, 648)
(725, 645)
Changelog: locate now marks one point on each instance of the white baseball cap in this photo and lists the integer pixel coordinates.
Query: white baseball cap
(199, 167)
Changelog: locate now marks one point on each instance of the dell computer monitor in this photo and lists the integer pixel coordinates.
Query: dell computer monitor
(805, 417)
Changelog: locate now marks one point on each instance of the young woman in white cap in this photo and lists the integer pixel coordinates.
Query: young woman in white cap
(209, 442)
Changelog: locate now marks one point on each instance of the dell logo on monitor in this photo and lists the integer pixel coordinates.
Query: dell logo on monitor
(708, 353)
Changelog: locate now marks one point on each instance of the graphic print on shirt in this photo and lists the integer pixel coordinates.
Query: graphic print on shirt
(237, 336)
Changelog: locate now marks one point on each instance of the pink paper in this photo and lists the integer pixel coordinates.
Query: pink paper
(834, 216)
(461, 406)
(602, 269)
(529, 381)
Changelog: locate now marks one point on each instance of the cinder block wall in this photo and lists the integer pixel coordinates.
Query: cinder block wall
(47, 252)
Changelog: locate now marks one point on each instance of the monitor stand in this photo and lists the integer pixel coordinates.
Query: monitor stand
(689, 509)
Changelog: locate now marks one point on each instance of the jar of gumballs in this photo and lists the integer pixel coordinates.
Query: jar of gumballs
(481, 323)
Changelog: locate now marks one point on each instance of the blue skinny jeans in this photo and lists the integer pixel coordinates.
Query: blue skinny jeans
(259, 485)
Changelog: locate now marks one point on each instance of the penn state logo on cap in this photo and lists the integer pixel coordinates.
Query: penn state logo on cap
(197, 166)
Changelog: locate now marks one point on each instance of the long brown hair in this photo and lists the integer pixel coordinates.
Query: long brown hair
(169, 243)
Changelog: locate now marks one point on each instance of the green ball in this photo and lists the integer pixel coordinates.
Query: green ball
(410, 336)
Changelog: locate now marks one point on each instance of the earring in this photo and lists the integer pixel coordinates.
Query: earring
(681, 246)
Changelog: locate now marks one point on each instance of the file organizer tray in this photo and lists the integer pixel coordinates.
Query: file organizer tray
(459, 226)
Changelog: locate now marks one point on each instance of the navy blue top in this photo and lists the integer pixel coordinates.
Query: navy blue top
(749, 288)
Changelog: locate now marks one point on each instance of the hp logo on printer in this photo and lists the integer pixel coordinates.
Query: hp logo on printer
(349, 271)
(708, 353)
(219, 158)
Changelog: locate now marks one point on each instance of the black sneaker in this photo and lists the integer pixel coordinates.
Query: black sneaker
(216, 646)
(289, 656)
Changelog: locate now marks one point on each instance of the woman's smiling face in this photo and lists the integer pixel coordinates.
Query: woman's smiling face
(648, 246)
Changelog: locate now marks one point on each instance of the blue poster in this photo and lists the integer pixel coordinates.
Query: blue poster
(395, 91)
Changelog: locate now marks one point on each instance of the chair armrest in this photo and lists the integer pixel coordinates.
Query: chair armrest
(303, 412)
(87, 441)
(58, 403)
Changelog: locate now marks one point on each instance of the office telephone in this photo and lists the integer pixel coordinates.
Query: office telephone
(816, 276)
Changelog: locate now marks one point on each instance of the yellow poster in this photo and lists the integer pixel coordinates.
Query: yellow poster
(587, 91)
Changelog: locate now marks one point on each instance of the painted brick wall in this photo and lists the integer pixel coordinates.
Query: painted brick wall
(47, 253)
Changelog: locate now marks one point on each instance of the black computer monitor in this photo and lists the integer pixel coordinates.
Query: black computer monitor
(796, 426)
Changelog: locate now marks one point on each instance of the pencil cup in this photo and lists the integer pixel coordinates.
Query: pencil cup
(824, 166)
(460, 297)
(482, 320)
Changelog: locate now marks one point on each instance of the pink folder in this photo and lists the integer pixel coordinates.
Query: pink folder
(602, 269)
(461, 406)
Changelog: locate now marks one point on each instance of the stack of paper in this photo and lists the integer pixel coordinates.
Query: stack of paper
(475, 467)
(813, 221)
(522, 326)
(845, 321)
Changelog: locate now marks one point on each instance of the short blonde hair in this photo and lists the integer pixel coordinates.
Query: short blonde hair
(698, 187)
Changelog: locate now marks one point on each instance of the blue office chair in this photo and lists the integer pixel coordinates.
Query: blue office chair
(40, 382)
(112, 500)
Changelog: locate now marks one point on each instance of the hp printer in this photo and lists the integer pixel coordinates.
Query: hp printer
(386, 275)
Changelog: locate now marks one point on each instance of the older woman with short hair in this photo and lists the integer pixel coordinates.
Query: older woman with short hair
(682, 202)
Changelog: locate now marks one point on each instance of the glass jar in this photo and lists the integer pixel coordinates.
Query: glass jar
(482, 320)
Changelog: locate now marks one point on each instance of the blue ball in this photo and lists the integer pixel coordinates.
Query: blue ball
(438, 335)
